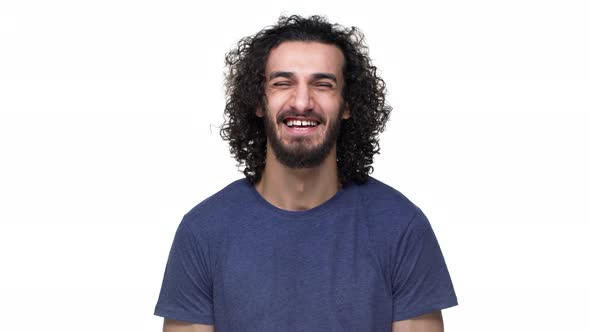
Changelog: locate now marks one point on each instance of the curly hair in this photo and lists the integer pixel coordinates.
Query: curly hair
(364, 92)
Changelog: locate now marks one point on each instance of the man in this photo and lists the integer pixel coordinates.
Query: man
(308, 241)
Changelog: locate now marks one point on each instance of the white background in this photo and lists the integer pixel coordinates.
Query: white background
(109, 115)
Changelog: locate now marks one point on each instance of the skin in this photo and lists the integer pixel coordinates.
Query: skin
(432, 322)
(301, 189)
(178, 326)
(297, 81)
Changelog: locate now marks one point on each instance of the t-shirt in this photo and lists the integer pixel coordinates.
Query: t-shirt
(357, 262)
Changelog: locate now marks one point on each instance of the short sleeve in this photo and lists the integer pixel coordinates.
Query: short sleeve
(186, 293)
(420, 280)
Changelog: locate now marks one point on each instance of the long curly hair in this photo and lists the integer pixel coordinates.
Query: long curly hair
(364, 92)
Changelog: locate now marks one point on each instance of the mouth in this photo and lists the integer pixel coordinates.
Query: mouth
(300, 123)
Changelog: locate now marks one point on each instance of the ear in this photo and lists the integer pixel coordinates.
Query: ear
(346, 114)
(259, 112)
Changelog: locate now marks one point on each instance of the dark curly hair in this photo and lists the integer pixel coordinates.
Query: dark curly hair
(364, 92)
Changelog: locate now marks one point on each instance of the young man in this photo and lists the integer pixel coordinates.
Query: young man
(308, 241)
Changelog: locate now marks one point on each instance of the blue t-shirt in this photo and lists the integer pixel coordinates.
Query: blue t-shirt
(358, 262)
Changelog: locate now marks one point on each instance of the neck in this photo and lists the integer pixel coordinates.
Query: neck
(298, 189)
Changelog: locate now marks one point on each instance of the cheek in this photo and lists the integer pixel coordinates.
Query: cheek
(328, 100)
(274, 105)
(331, 108)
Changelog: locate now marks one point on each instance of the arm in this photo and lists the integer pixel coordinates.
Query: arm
(420, 280)
(431, 322)
(186, 294)
(171, 325)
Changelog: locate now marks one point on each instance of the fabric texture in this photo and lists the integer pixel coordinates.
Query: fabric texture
(358, 262)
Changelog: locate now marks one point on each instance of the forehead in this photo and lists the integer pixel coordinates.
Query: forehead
(304, 58)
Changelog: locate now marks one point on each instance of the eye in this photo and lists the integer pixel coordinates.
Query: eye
(325, 85)
(281, 84)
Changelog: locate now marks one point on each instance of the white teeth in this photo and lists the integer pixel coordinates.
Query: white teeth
(301, 123)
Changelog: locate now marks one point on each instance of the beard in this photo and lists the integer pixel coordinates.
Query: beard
(301, 153)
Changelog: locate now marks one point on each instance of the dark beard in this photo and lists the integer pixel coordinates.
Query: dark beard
(300, 155)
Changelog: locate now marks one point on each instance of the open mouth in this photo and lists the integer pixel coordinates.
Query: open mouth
(292, 123)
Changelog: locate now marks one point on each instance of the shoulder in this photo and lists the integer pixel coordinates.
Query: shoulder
(214, 211)
(377, 196)
(385, 208)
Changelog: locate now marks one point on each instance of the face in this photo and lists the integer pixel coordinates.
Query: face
(304, 105)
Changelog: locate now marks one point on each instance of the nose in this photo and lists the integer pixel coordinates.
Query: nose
(302, 99)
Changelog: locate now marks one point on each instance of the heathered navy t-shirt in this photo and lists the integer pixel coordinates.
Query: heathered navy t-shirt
(358, 262)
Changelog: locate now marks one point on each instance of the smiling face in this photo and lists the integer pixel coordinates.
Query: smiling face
(304, 104)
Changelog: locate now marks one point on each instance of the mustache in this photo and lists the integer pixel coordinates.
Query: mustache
(312, 115)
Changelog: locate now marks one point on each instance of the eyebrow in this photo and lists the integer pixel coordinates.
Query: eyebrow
(315, 76)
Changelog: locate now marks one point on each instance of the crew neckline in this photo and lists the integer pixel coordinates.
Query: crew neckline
(319, 210)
